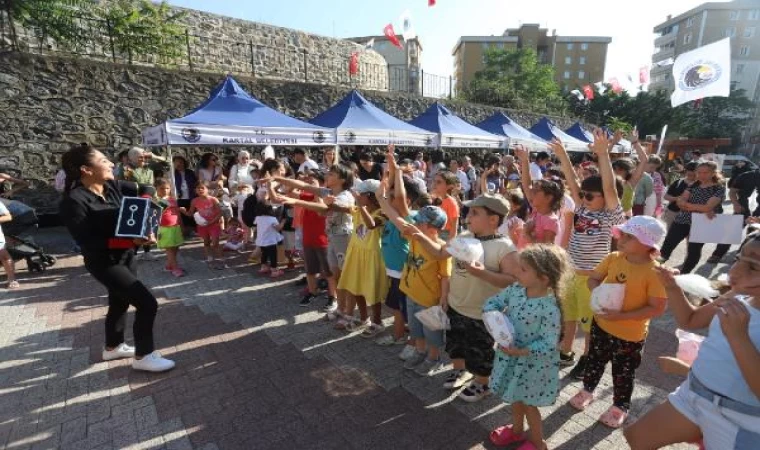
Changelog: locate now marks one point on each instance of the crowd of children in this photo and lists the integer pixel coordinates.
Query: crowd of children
(547, 245)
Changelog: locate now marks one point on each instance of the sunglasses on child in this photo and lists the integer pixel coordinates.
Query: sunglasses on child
(590, 196)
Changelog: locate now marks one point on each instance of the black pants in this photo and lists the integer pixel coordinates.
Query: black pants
(117, 272)
(677, 233)
(625, 357)
(269, 256)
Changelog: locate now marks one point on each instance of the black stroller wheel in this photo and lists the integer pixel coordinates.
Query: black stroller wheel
(48, 260)
(35, 266)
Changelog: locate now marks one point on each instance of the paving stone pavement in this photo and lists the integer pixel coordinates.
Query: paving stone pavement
(254, 371)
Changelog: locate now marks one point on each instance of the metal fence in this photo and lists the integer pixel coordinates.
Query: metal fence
(98, 40)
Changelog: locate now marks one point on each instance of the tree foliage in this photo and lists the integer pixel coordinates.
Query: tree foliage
(129, 27)
(714, 117)
(144, 27)
(515, 79)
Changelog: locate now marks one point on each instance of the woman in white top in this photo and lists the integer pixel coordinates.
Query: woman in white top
(240, 173)
(209, 171)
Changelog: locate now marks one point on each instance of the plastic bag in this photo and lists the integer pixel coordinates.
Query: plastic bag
(608, 296)
(688, 346)
(500, 328)
(199, 220)
(466, 249)
(434, 318)
(696, 285)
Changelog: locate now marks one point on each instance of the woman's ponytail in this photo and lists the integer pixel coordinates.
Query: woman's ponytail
(72, 162)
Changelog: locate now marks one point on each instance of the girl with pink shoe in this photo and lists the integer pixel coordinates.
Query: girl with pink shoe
(526, 375)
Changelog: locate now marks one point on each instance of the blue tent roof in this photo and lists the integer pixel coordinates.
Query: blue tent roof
(453, 130)
(501, 124)
(230, 105)
(546, 129)
(579, 132)
(360, 122)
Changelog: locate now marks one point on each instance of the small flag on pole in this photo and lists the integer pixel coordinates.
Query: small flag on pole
(370, 44)
(577, 94)
(600, 87)
(407, 29)
(391, 35)
(644, 75)
(353, 64)
(588, 91)
(703, 72)
(615, 85)
(431, 2)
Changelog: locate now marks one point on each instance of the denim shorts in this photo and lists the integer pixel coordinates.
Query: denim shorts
(417, 330)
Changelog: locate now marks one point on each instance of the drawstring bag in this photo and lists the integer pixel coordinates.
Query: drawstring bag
(434, 318)
(500, 328)
(607, 296)
(467, 250)
(688, 346)
(199, 219)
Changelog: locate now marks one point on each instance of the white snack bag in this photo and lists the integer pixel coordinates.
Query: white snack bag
(500, 328)
(434, 318)
(688, 346)
(466, 249)
(199, 219)
(607, 296)
(696, 285)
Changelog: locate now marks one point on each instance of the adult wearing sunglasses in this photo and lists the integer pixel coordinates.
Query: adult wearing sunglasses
(209, 170)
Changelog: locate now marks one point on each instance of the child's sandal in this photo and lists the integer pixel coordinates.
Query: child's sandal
(581, 400)
(614, 417)
(503, 436)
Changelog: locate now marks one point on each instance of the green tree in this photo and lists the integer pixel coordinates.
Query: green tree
(716, 117)
(140, 27)
(515, 79)
(58, 20)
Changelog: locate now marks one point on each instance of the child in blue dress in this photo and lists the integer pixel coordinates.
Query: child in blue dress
(526, 375)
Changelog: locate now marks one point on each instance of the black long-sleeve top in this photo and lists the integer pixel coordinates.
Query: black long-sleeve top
(90, 218)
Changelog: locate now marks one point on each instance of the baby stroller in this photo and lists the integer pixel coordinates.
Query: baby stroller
(18, 238)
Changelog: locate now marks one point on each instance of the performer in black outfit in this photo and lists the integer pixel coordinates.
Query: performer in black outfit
(90, 209)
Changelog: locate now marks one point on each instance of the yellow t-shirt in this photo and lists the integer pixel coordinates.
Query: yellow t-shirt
(641, 283)
(421, 278)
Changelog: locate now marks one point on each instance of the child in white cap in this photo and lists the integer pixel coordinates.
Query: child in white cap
(619, 336)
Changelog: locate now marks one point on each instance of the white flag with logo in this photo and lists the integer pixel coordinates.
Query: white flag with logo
(407, 29)
(703, 72)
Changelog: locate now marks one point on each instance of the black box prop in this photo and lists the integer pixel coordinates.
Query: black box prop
(138, 218)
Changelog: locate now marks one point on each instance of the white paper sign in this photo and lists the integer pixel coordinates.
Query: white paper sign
(722, 229)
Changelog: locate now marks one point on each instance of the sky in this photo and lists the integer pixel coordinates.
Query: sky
(629, 24)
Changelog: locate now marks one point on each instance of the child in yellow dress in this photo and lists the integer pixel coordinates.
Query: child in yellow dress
(363, 278)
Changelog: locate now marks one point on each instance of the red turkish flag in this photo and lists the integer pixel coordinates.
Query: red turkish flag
(391, 35)
(353, 64)
(616, 87)
(431, 2)
(588, 91)
(644, 75)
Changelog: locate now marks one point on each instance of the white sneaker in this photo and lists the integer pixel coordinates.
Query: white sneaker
(122, 351)
(407, 352)
(153, 362)
(414, 360)
(430, 368)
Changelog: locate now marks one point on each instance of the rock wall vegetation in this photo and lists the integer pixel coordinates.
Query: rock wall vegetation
(50, 103)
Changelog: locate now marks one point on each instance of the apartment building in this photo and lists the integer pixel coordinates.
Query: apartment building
(577, 60)
(404, 66)
(708, 23)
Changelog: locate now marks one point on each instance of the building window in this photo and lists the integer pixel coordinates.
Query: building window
(500, 45)
(744, 50)
(570, 46)
(729, 32)
(567, 75)
(582, 61)
(584, 46)
(581, 75)
(689, 21)
(753, 14)
(687, 38)
(749, 32)
(484, 45)
(734, 15)
(739, 69)
(568, 60)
